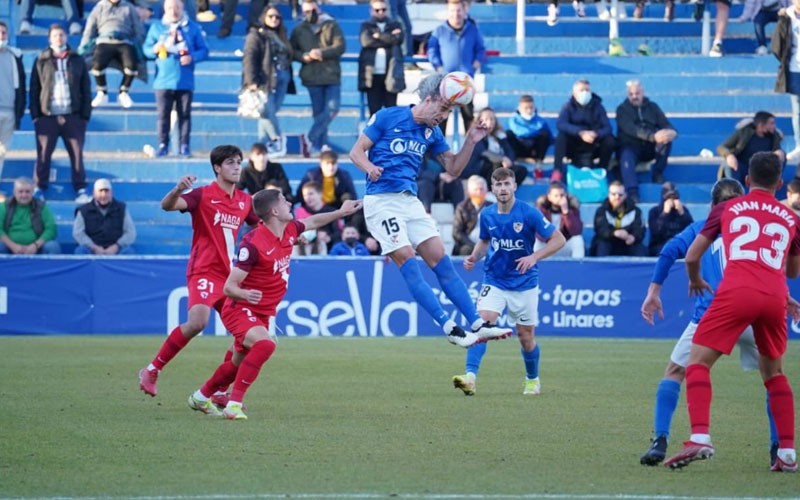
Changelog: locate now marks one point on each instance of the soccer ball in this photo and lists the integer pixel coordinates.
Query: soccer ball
(458, 88)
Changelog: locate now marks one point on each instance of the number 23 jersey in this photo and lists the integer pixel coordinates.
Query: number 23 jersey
(758, 233)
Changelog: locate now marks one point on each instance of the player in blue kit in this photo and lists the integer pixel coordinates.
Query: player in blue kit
(712, 264)
(508, 232)
(390, 151)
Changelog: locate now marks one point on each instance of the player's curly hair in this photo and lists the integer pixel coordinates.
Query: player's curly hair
(429, 86)
(726, 189)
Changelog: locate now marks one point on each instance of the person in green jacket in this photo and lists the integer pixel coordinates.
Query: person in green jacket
(27, 225)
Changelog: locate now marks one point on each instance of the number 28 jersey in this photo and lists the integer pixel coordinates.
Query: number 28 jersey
(216, 220)
(758, 233)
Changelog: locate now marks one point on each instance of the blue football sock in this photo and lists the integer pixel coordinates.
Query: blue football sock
(455, 289)
(421, 292)
(531, 360)
(474, 356)
(666, 401)
(773, 431)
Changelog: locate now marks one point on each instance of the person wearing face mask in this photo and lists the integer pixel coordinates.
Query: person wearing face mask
(12, 92)
(528, 133)
(267, 65)
(60, 106)
(177, 44)
(380, 63)
(350, 246)
(465, 219)
(644, 133)
(103, 226)
(584, 132)
(113, 36)
(318, 43)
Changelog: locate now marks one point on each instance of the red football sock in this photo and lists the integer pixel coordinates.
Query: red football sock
(228, 357)
(781, 402)
(222, 377)
(170, 348)
(698, 397)
(250, 368)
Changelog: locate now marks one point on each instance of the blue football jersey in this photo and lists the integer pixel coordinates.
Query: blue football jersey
(510, 237)
(399, 147)
(711, 263)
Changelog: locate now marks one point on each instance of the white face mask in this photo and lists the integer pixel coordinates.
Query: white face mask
(583, 97)
(3, 44)
(526, 116)
(58, 48)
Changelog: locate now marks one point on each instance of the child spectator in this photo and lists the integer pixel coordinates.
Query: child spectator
(350, 246)
(528, 133)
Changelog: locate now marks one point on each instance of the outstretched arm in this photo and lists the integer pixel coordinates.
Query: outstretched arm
(172, 200)
(316, 221)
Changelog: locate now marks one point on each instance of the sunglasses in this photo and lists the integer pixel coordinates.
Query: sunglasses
(616, 194)
(274, 16)
(380, 10)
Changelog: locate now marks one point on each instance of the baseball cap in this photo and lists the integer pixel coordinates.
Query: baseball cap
(101, 184)
(668, 190)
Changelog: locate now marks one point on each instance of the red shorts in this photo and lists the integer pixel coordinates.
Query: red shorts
(733, 310)
(207, 290)
(239, 318)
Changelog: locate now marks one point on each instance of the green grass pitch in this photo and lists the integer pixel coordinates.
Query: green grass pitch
(368, 418)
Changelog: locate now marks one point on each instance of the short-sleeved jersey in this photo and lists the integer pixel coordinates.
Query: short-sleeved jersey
(711, 264)
(757, 232)
(265, 258)
(216, 220)
(399, 147)
(511, 236)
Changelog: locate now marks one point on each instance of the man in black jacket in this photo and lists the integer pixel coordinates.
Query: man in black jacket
(380, 63)
(618, 226)
(60, 105)
(643, 134)
(103, 226)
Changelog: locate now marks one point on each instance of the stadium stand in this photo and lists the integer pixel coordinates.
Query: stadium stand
(703, 97)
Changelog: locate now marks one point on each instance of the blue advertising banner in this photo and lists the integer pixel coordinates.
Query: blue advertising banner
(327, 297)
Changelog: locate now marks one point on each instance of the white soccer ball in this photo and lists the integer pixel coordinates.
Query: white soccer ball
(458, 88)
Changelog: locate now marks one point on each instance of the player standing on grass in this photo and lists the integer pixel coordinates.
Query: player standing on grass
(508, 232)
(669, 389)
(758, 234)
(255, 287)
(218, 211)
(397, 139)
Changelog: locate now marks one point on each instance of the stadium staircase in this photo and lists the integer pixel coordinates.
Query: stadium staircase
(704, 98)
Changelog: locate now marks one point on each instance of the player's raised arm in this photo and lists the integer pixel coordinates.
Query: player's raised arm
(358, 155)
(172, 200)
(454, 164)
(349, 207)
(234, 291)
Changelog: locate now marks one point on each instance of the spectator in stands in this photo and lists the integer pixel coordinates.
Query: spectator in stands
(71, 12)
(457, 45)
(350, 246)
(60, 106)
(318, 43)
(336, 184)
(229, 15)
(793, 195)
(114, 34)
(380, 63)
(28, 226)
(399, 12)
(563, 211)
(618, 226)
(259, 173)
(493, 151)
(528, 133)
(785, 48)
(176, 43)
(762, 12)
(643, 134)
(667, 219)
(12, 92)
(267, 65)
(552, 12)
(720, 23)
(669, 10)
(321, 239)
(434, 184)
(750, 137)
(104, 225)
(465, 220)
(584, 132)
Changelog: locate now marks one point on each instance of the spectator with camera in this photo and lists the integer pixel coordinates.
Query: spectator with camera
(667, 219)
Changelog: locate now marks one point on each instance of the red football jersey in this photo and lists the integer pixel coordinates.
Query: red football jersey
(265, 258)
(216, 220)
(757, 232)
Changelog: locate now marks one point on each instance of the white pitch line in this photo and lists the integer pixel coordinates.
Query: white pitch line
(410, 496)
